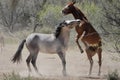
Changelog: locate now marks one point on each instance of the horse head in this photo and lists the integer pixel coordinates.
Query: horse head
(71, 9)
(68, 8)
(66, 24)
(72, 23)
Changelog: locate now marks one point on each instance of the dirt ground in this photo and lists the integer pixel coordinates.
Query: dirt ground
(50, 65)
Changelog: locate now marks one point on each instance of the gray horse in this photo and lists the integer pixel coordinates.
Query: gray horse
(47, 43)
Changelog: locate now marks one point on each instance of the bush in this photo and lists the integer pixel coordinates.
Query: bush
(11, 77)
(113, 76)
(50, 15)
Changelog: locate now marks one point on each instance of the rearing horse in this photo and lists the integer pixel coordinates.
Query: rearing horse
(89, 36)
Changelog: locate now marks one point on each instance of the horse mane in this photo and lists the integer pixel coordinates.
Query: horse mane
(58, 29)
(81, 14)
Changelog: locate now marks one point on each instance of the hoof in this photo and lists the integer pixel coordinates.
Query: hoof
(38, 73)
(98, 74)
(82, 51)
(89, 74)
(64, 73)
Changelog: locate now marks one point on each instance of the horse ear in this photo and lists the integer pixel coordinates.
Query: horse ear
(74, 1)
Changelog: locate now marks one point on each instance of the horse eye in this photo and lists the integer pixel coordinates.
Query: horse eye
(67, 7)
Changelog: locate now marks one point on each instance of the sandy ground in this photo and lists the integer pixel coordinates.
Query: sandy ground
(50, 65)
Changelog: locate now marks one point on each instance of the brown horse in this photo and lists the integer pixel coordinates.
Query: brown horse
(89, 36)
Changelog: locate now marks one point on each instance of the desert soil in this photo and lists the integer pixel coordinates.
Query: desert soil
(50, 65)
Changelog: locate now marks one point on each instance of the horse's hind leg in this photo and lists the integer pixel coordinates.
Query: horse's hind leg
(89, 55)
(99, 52)
(91, 65)
(28, 61)
(34, 57)
(33, 61)
(62, 57)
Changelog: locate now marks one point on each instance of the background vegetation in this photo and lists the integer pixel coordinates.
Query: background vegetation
(18, 16)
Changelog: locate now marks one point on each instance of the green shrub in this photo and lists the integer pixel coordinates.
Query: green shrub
(113, 76)
(11, 77)
(14, 76)
(50, 15)
(46, 30)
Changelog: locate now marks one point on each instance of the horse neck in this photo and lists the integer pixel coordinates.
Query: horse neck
(78, 14)
(64, 37)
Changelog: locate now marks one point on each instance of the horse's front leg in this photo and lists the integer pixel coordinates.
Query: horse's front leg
(62, 57)
(77, 41)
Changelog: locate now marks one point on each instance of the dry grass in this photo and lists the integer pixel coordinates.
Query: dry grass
(50, 65)
(14, 76)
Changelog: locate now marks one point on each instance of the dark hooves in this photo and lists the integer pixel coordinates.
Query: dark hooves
(82, 51)
(64, 73)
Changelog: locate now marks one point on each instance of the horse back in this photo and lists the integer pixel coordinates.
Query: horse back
(46, 43)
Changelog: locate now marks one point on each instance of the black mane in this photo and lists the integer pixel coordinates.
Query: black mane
(58, 29)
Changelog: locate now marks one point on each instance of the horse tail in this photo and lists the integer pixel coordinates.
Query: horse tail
(17, 55)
